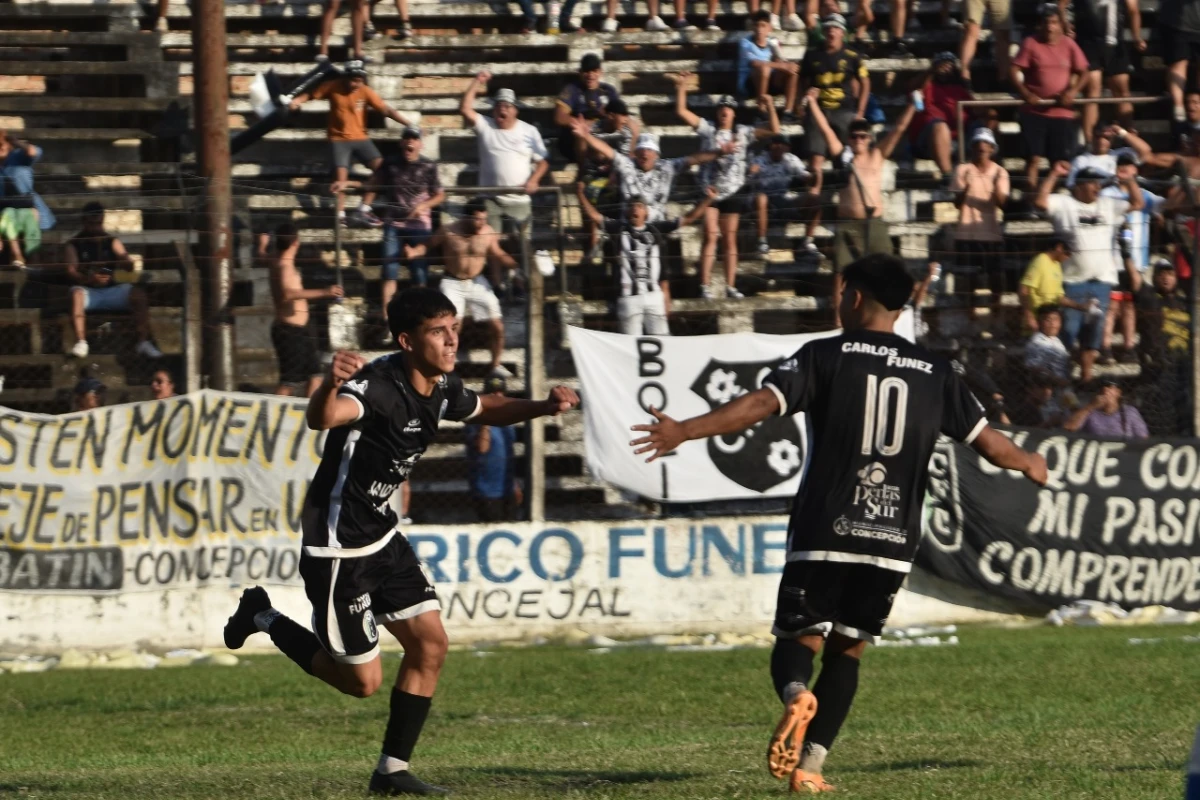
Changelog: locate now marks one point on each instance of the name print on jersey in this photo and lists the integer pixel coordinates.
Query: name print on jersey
(894, 359)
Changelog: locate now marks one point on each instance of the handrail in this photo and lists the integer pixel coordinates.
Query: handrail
(1016, 101)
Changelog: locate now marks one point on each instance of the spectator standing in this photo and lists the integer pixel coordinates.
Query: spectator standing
(294, 339)
(1177, 41)
(981, 188)
(495, 489)
(840, 75)
(1099, 30)
(1164, 324)
(585, 97)
(89, 393)
(1048, 73)
(162, 385)
(1042, 283)
(467, 246)
(774, 175)
(17, 158)
(727, 175)
(349, 98)
(861, 228)
(1089, 222)
(412, 190)
(934, 129)
(644, 288)
(999, 13)
(1045, 353)
(511, 154)
(1108, 416)
(617, 129)
(762, 69)
(93, 259)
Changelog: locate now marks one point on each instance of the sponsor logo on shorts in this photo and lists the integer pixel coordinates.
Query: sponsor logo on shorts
(369, 627)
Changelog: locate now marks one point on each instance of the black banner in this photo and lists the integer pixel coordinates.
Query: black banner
(1118, 522)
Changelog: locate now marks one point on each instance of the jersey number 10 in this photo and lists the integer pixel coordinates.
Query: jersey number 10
(878, 417)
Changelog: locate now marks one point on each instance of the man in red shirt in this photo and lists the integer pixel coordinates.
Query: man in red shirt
(1048, 73)
(935, 127)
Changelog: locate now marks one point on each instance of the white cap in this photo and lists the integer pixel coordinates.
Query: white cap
(984, 135)
(647, 141)
(505, 96)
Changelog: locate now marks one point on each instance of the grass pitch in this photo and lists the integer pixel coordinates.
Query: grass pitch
(1042, 713)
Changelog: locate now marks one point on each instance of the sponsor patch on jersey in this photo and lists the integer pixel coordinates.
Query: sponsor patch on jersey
(414, 425)
(358, 387)
(878, 499)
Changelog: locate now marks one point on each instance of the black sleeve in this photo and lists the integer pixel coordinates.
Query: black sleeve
(461, 402)
(962, 415)
(663, 227)
(374, 392)
(612, 226)
(1145, 298)
(795, 381)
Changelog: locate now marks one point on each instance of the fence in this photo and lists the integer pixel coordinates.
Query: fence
(972, 313)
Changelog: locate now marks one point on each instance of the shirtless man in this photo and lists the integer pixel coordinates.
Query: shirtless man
(295, 342)
(466, 246)
(861, 229)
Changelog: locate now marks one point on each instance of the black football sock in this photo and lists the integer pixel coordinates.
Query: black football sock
(405, 722)
(295, 641)
(791, 666)
(834, 691)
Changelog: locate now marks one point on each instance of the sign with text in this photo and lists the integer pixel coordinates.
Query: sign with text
(1118, 522)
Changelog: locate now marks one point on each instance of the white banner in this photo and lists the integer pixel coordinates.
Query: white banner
(685, 376)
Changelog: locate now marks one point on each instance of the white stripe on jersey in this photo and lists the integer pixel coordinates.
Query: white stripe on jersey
(335, 497)
(895, 565)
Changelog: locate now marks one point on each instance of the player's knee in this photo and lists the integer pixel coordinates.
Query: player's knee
(363, 685)
(432, 652)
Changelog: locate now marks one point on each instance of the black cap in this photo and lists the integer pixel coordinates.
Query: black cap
(356, 69)
(1048, 10)
(495, 383)
(89, 385)
(93, 208)
(589, 62)
(1090, 174)
(411, 133)
(617, 106)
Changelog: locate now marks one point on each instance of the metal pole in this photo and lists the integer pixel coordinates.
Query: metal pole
(1195, 318)
(210, 72)
(337, 240)
(535, 381)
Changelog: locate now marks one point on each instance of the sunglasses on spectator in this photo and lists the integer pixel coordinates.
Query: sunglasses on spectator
(860, 136)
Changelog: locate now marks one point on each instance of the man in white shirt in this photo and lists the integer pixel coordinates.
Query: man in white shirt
(511, 153)
(1102, 156)
(1089, 223)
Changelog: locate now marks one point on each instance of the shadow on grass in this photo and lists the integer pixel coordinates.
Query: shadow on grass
(1164, 766)
(26, 788)
(918, 766)
(578, 778)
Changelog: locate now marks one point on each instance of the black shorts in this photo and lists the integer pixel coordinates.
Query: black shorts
(1111, 59)
(1055, 138)
(350, 595)
(734, 204)
(296, 349)
(1175, 45)
(852, 599)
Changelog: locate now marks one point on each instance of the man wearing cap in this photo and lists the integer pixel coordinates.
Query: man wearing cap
(1089, 222)
(1000, 19)
(585, 97)
(511, 154)
(981, 188)
(411, 190)
(93, 259)
(935, 127)
(646, 174)
(346, 127)
(89, 393)
(495, 487)
(773, 176)
(1102, 156)
(845, 87)
(1048, 73)
(1164, 322)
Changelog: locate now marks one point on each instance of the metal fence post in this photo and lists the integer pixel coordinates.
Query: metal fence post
(535, 382)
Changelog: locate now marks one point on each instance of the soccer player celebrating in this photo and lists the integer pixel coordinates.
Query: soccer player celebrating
(357, 568)
(875, 404)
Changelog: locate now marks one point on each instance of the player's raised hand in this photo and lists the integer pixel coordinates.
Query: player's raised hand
(661, 437)
(344, 366)
(561, 400)
(1036, 470)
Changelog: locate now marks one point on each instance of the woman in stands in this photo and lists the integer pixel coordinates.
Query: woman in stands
(727, 175)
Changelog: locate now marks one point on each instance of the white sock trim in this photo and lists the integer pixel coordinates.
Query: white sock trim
(389, 765)
(263, 619)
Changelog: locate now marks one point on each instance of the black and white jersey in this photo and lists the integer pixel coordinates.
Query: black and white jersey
(346, 513)
(875, 404)
(639, 252)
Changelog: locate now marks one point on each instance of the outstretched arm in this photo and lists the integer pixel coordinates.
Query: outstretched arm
(818, 116)
(1000, 450)
(500, 410)
(892, 137)
(666, 434)
(589, 210)
(583, 130)
(681, 106)
(467, 106)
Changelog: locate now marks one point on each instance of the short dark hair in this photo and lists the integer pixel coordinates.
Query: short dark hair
(637, 198)
(474, 206)
(762, 15)
(408, 309)
(882, 277)
(860, 126)
(92, 209)
(1057, 242)
(1049, 308)
(286, 235)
